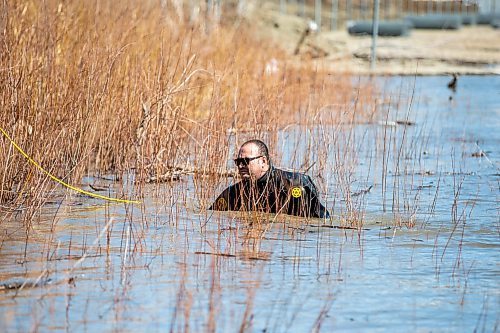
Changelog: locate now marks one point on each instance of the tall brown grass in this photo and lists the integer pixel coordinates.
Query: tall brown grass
(106, 86)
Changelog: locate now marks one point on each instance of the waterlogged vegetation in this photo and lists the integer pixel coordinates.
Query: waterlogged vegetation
(145, 101)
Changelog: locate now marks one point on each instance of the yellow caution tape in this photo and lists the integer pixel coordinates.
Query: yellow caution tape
(60, 181)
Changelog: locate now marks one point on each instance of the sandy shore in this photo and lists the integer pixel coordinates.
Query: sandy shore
(469, 50)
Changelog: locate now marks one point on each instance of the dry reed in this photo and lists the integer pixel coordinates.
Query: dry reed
(105, 87)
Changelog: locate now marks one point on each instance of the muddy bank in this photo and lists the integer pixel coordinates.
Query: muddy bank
(469, 50)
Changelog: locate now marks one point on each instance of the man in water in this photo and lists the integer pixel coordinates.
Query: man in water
(266, 188)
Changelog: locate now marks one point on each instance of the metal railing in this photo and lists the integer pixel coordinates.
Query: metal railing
(334, 14)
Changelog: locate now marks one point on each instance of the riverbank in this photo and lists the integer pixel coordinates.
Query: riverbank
(469, 50)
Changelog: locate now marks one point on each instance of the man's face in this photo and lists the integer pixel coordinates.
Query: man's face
(256, 167)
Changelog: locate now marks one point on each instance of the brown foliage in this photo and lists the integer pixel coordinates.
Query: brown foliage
(112, 85)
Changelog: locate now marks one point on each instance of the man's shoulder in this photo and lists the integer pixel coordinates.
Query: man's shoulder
(295, 178)
(284, 173)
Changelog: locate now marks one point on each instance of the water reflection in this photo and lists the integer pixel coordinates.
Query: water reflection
(171, 265)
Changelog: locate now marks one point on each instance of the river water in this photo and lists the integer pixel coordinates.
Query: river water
(413, 245)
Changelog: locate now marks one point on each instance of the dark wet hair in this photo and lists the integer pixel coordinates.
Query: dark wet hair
(261, 146)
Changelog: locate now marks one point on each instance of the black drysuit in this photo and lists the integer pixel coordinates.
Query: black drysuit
(278, 191)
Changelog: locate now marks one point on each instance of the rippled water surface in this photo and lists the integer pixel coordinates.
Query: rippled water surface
(417, 251)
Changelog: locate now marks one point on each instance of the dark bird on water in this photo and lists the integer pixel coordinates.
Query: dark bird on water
(453, 83)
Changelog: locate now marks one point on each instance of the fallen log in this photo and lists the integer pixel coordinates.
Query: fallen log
(175, 173)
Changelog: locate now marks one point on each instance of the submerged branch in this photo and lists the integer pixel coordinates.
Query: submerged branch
(240, 256)
(175, 173)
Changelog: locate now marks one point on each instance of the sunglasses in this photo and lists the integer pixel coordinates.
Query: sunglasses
(245, 160)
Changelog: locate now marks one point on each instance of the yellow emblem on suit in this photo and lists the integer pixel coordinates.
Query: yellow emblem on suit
(296, 192)
(221, 203)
